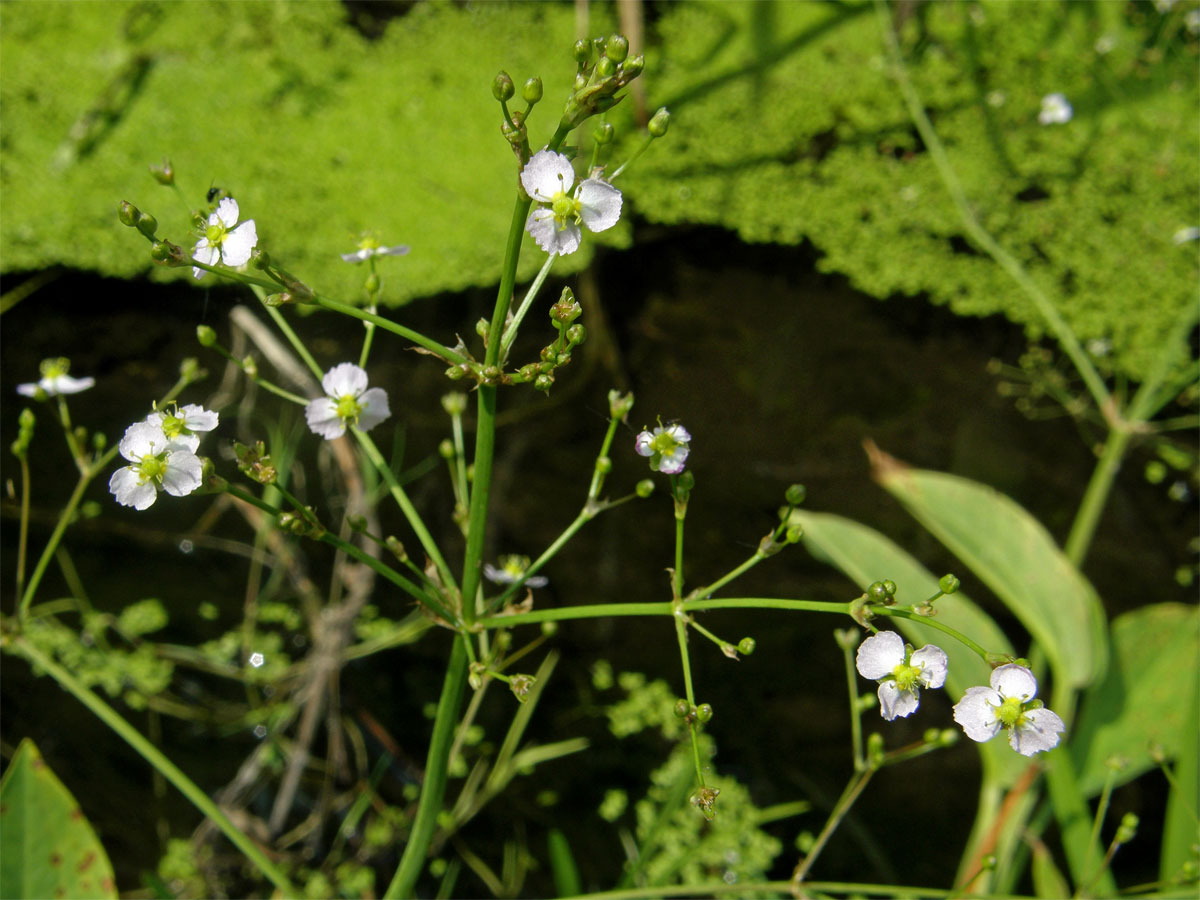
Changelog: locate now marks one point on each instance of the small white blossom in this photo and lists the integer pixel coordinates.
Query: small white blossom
(257, 660)
(222, 242)
(347, 401)
(1055, 110)
(666, 446)
(1009, 704)
(369, 247)
(55, 380)
(511, 569)
(181, 425)
(900, 671)
(547, 178)
(157, 463)
(1183, 235)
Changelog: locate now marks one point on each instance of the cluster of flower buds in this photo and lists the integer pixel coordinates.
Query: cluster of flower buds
(557, 353)
(603, 67)
(255, 463)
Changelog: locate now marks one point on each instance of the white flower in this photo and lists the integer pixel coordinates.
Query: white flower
(55, 380)
(1055, 110)
(369, 247)
(1183, 235)
(900, 671)
(347, 401)
(157, 464)
(547, 178)
(511, 569)
(667, 448)
(181, 425)
(222, 242)
(1009, 704)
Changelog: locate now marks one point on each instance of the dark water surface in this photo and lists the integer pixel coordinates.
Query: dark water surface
(779, 373)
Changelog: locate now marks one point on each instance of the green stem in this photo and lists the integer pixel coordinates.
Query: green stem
(415, 522)
(510, 333)
(158, 760)
(451, 356)
(693, 729)
(64, 519)
(932, 623)
(855, 788)
(433, 790)
(23, 533)
(1095, 498)
(664, 608)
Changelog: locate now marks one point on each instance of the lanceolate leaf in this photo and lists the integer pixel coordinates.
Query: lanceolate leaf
(47, 847)
(1015, 556)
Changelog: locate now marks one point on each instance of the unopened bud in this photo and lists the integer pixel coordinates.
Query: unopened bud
(746, 646)
(502, 86)
(147, 224)
(454, 403)
(605, 68)
(128, 213)
(794, 534)
(260, 258)
(632, 68)
(357, 523)
(206, 335)
(948, 584)
(890, 587)
(532, 90)
(704, 713)
(619, 404)
(681, 709)
(644, 488)
(603, 133)
(659, 123)
(616, 47)
(395, 547)
(164, 174)
(544, 382)
(372, 283)
(877, 592)
(603, 465)
(283, 298)
(582, 51)
(481, 328)
(446, 449)
(795, 494)
(576, 334)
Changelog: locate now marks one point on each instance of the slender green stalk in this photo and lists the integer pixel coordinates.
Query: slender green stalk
(415, 522)
(23, 533)
(434, 788)
(681, 638)
(452, 356)
(1101, 813)
(510, 332)
(766, 888)
(932, 623)
(664, 608)
(855, 788)
(64, 519)
(158, 760)
(1095, 498)
(856, 741)
(709, 589)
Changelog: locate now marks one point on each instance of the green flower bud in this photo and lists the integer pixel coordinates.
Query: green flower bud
(659, 123)
(446, 449)
(582, 51)
(616, 47)
(603, 133)
(283, 298)
(250, 366)
(605, 68)
(576, 334)
(532, 90)
(147, 224)
(206, 335)
(99, 441)
(26, 419)
(357, 523)
(372, 284)
(491, 374)
(260, 258)
(687, 480)
(549, 628)
(395, 547)
(456, 373)
(164, 174)
(795, 494)
(704, 713)
(948, 584)
(644, 488)
(793, 534)
(746, 646)
(681, 710)
(543, 382)
(890, 587)
(619, 404)
(548, 354)
(877, 592)
(603, 465)
(454, 403)
(502, 86)
(91, 510)
(481, 328)
(128, 213)
(632, 68)
(562, 358)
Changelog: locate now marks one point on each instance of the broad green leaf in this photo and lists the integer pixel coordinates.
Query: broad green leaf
(1179, 828)
(1010, 551)
(1048, 881)
(47, 847)
(865, 555)
(1143, 700)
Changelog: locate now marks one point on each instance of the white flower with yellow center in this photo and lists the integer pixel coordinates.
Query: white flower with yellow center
(370, 246)
(511, 570)
(157, 463)
(347, 401)
(547, 178)
(900, 671)
(667, 447)
(181, 425)
(55, 380)
(222, 241)
(1009, 704)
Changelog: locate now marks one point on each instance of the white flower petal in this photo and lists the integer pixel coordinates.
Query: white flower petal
(895, 703)
(323, 419)
(673, 463)
(239, 244)
(643, 444)
(679, 433)
(205, 253)
(29, 389)
(374, 403)
(600, 204)
(1038, 731)
(933, 663)
(65, 384)
(226, 214)
(398, 250)
(343, 379)
(542, 226)
(1014, 681)
(183, 472)
(356, 257)
(497, 575)
(879, 655)
(546, 174)
(197, 418)
(126, 486)
(140, 439)
(976, 713)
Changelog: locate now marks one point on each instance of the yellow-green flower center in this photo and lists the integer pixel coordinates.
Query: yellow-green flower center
(566, 209)
(907, 677)
(349, 409)
(664, 442)
(214, 234)
(1010, 712)
(173, 426)
(151, 469)
(53, 368)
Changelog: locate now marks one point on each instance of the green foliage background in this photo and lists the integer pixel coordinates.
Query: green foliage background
(786, 128)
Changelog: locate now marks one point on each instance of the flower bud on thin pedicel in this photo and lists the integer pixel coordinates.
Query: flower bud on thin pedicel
(877, 592)
(619, 404)
(502, 86)
(704, 713)
(128, 213)
(146, 224)
(659, 123)
(206, 335)
(795, 494)
(746, 646)
(582, 51)
(576, 334)
(164, 174)
(616, 47)
(532, 90)
(644, 488)
(603, 133)
(948, 584)
(890, 587)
